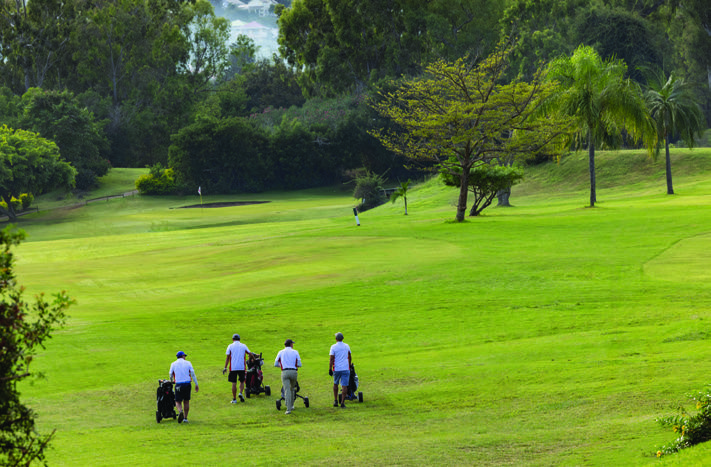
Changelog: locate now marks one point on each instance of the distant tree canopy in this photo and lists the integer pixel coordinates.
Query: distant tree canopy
(30, 164)
(144, 63)
(147, 70)
(346, 45)
(58, 116)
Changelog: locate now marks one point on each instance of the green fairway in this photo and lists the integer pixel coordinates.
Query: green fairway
(544, 334)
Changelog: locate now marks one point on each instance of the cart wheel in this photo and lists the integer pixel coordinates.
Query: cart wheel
(267, 390)
(278, 404)
(158, 416)
(306, 401)
(360, 397)
(175, 415)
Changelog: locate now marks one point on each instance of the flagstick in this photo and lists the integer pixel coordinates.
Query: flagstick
(200, 193)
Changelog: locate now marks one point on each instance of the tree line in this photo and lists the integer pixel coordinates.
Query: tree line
(133, 83)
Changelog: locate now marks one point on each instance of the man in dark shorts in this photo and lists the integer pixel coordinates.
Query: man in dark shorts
(181, 372)
(236, 357)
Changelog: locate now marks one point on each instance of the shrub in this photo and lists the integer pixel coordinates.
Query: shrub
(26, 200)
(160, 181)
(369, 189)
(692, 429)
(17, 204)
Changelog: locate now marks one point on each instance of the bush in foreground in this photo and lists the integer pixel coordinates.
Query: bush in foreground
(23, 328)
(692, 429)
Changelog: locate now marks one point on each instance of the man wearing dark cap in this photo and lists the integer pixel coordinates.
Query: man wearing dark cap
(181, 372)
(236, 356)
(340, 368)
(289, 361)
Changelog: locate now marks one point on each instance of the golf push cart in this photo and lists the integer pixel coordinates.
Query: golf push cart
(165, 399)
(296, 395)
(254, 377)
(352, 388)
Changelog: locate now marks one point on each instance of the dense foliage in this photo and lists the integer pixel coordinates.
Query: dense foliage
(461, 116)
(692, 428)
(24, 327)
(485, 181)
(29, 164)
(138, 75)
(59, 117)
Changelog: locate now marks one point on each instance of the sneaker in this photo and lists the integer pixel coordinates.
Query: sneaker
(287, 412)
(335, 403)
(241, 398)
(181, 417)
(234, 401)
(185, 421)
(343, 406)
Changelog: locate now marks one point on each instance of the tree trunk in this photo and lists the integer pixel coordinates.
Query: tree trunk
(591, 163)
(670, 189)
(503, 197)
(405, 199)
(10, 211)
(463, 192)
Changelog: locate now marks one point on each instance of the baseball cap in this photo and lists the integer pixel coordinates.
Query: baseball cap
(181, 354)
(235, 337)
(288, 342)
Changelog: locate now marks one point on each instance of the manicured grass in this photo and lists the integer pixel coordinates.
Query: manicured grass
(544, 334)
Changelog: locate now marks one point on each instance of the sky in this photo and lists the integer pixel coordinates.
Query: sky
(262, 29)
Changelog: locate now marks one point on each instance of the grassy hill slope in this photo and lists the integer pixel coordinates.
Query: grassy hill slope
(544, 334)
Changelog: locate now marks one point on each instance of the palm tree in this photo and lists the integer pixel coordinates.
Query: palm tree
(401, 191)
(600, 101)
(675, 112)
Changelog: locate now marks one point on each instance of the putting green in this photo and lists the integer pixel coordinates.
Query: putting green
(685, 261)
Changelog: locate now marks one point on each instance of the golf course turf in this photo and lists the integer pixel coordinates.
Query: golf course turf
(544, 334)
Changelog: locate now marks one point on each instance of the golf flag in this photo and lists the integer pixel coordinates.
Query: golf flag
(199, 192)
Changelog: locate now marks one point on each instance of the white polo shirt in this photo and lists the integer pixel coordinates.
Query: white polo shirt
(181, 370)
(236, 350)
(340, 351)
(288, 359)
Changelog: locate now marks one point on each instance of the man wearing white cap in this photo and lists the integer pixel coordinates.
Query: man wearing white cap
(340, 368)
(236, 356)
(181, 372)
(289, 361)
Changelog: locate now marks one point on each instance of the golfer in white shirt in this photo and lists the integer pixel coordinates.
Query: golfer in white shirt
(289, 361)
(340, 368)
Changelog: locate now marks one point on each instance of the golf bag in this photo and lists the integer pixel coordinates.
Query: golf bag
(165, 399)
(352, 388)
(254, 377)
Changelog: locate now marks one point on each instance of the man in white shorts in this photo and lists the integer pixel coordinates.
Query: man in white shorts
(236, 356)
(289, 361)
(181, 372)
(340, 368)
